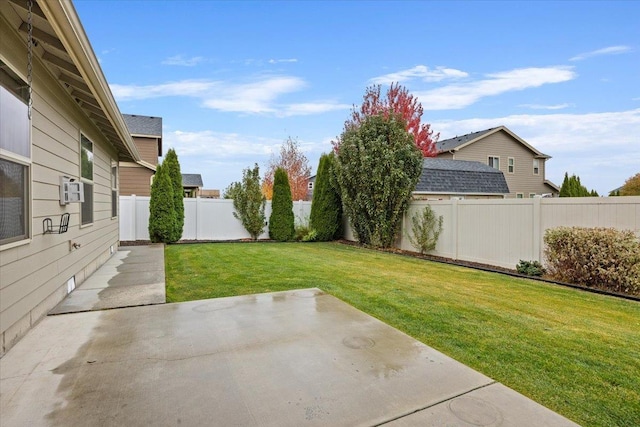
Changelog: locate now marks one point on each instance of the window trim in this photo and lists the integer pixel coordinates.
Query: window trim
(536, 166)
(532, 195)
(114, 189)
(489, 161)
(511, 165)
(87, 181)
(27, 162)
(519, 195)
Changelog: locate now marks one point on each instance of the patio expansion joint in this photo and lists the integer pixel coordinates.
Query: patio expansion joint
(448, 399)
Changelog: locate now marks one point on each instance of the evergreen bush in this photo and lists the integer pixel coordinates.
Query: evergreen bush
(530, 268)
(281, 221)
(162, 214)
(426, 229)
(326, 206)
(173, 168)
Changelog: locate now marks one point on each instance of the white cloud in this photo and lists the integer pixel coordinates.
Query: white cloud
(602, 148)
(256, 97)
(420, 72)
(182, 61)
(278, 61)
(461, 95)
(546, 107)
(611, 50)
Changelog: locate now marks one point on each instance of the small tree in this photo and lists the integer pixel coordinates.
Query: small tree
(377, 167)
(631, 186)
(281, 221)
(162, 215)
(173, 169)
(250, 203)
(295, 163)
(572, 187)
(326, 206)
(231, 191)
(426, 229)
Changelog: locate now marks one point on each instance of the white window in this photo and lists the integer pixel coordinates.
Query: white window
(519, 196)
(536, 166)
(86, 176)
(15, 157)
(310, 185)
(114, 190)
(494, 162)
(532, 195)
(511, 165)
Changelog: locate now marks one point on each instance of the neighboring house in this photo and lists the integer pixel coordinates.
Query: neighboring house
(191, 184)
(136, 177)
(444, 179)
(311, 182)
(523, 166)
(74, 135)
(210, 194)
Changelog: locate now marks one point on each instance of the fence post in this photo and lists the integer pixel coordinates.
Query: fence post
(197, 218)
(537, 232)
(454, 227)
(134, 225)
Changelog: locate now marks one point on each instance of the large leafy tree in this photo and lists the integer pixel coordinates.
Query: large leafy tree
(172, 165)
(397, 101)
(295, 163)
(377, 167)
(162, 214)
(249, 202)
(326, 207)
(281, 221)
(631, 186)
(572, 187)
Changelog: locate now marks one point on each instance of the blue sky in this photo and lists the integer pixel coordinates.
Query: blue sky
(232, 80)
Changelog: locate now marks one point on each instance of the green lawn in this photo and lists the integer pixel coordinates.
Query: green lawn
(575, 352)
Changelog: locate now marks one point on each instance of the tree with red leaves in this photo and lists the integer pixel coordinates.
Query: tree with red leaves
(398, 101)
(295, 163)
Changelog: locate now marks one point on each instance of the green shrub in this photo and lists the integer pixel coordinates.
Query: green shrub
(281, 221)
(426, 229)
(173, 169)
(326, 207)
(530, 268)
(162, 215)
(602, 258)
(249, 202)
(305, 233)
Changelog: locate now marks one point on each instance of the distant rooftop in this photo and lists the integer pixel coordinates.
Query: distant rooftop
(192, 180)
(460, 177)
(144, 125)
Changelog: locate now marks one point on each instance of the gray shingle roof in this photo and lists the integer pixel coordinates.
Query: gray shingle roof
(143, 125)
(460, 176)
(191, 180)
(451, 143)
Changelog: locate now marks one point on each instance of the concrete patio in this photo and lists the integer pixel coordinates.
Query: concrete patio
(280, 359)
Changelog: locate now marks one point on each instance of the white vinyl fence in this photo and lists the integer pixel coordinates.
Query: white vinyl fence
(204, 219)
(501, 232)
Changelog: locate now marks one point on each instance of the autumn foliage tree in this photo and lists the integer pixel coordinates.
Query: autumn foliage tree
(631, 186)
(295, 163)
(398, 102)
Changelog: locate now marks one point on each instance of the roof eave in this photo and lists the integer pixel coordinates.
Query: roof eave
(64, 19)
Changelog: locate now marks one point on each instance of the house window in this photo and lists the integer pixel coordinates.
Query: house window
(511, 165)
(15, 157)
(536, 166)
(532, 195)
(86, 176)
(519, 196)
(494, 162)
(114, 190)
(310, 185)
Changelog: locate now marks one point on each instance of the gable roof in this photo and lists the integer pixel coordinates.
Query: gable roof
(460, 177)
(191, 180)
(459, 142)
(144, 125)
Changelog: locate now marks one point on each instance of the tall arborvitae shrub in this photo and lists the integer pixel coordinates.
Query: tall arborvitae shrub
(162, 214)
(281, 221)
(172, 165)
(326, 207)
(249, 202)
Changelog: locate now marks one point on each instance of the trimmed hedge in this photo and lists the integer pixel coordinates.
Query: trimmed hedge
(326, 207)
(603, 258)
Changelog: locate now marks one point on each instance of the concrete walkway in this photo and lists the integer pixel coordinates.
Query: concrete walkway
(133, 276)
(298, 358)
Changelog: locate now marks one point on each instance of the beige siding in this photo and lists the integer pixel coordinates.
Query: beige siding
(148, 149)
(135, 180)
(502, 145)
(34, 273)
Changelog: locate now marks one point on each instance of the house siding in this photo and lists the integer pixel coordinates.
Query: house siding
(148, 149)
(135, 179)
(35, 273)
(502, 145)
